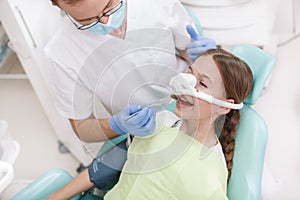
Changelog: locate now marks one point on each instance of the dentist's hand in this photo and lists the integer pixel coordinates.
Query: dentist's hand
(141, 124)
(198, 43)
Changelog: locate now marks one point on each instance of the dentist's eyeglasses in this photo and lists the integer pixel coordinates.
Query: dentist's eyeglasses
(97, 20)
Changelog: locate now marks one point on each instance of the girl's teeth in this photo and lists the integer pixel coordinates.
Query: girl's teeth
(184, 101)
(180, 99)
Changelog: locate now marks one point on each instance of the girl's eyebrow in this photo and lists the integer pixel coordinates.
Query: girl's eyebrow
(206, 77)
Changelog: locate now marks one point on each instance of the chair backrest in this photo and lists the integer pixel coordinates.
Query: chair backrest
(252, 131)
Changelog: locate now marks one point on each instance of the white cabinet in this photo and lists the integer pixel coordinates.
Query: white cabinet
(29, 24)
(5, 51)
(231, 22)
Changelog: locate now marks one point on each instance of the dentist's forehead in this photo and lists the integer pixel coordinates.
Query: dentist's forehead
(84, 9)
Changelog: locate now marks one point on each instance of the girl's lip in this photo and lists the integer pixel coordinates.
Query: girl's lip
(182, 100)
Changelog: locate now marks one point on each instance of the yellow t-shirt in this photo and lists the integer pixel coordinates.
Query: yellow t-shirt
(170, 165)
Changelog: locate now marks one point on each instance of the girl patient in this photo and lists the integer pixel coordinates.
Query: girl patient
(189, 155)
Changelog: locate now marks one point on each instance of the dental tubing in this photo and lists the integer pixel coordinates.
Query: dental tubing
(184, 84)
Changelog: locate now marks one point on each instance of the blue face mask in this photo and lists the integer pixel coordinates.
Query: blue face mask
(114, 21)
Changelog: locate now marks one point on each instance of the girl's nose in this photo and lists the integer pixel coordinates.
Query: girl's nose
(104, 20)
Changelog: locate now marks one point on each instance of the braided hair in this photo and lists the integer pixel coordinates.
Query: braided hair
(237, 78)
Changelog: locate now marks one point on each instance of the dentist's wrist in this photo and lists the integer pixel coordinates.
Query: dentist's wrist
(114, 126)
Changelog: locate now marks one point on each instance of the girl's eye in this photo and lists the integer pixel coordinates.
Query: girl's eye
(202, 84)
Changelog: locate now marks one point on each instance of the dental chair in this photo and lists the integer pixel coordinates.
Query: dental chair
(251, 139)
(252, 132)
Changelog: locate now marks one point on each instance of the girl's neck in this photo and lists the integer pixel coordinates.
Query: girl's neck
(202, 131)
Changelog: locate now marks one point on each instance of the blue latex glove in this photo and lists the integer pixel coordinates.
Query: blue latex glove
(198, 43)
(141, 124)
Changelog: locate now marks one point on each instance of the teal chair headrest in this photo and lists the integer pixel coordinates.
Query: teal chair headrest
(252, 131)
(261, 64)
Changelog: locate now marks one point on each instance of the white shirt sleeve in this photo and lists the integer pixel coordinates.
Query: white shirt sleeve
(72, 99)
(179, 20)
(67, 50)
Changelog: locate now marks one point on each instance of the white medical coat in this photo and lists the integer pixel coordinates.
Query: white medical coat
(86, 66)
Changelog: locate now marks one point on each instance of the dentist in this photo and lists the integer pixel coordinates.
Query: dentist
(88, 28)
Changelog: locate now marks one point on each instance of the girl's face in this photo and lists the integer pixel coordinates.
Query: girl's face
(86, 11)
(209, 81)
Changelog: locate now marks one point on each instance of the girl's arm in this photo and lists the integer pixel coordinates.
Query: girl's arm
(76, 186)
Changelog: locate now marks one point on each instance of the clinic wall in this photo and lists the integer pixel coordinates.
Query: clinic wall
(285, 17)
(279, 106)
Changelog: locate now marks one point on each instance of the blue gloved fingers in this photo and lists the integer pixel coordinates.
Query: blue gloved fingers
(198, 43)
(194, 57)
(196, 48)
(150, 117)
(149, 126)
(141, 118)
(115, 126)
(133, 108)
(194, 53)
(116, 122)
(199, 50)
(192, 32)
(210, 44)
(202, 41)
(140, 124)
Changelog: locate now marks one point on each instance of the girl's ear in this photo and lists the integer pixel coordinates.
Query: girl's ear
(223, 110)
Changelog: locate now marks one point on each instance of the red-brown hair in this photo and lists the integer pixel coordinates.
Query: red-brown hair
(237, 78)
